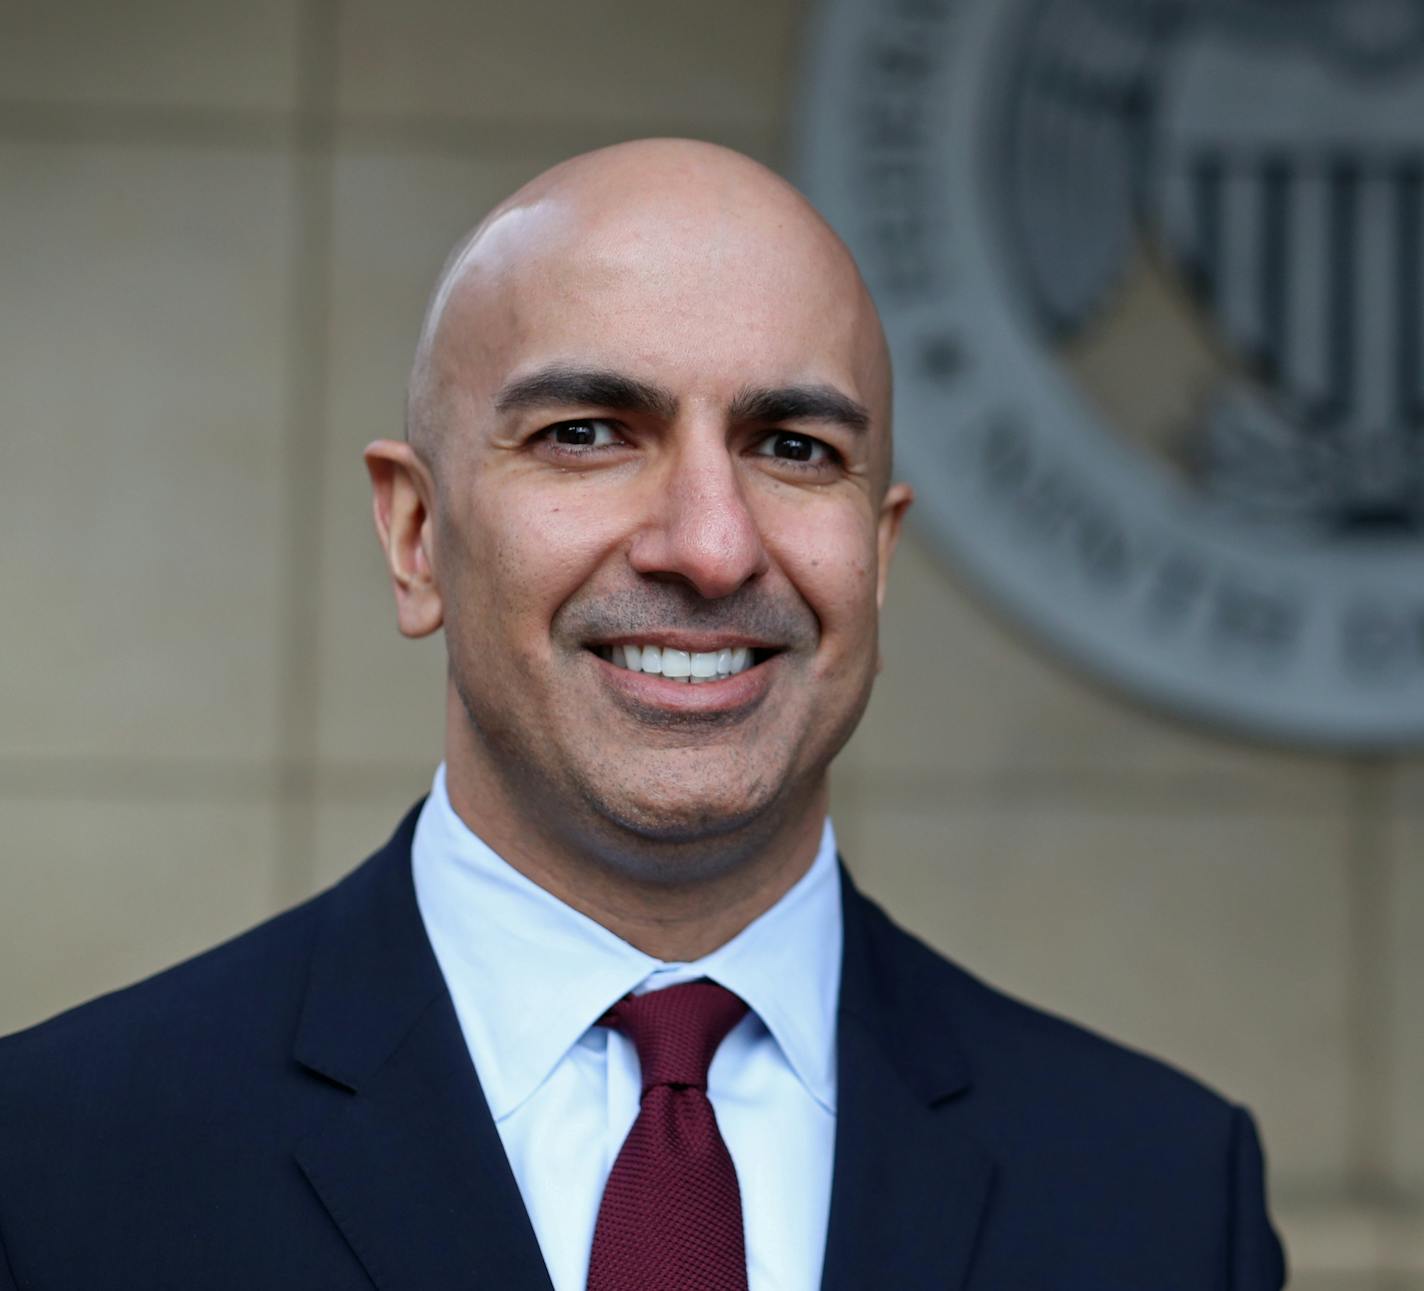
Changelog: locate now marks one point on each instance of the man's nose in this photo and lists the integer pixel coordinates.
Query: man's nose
(701, 528)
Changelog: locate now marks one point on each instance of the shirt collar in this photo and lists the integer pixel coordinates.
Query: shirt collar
(529, 975)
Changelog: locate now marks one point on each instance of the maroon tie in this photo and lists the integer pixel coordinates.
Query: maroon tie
(671, 1217)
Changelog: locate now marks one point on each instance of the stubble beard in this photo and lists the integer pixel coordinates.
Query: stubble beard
(652, 842)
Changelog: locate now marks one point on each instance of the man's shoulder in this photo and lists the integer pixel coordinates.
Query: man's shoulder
(232, 1007)
(185, 1094)
(1033, 1065)
(209, 1003)
(252, 983)
(1104, 1160)
(137, 1094)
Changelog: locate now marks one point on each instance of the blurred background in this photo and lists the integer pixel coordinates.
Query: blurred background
(218, 226)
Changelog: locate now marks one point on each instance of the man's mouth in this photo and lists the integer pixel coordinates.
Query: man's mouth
(696, 667)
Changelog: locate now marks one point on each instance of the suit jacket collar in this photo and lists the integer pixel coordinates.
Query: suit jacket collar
(411, 1168)
(892, 989)
(911, 1184)
(408, 1162)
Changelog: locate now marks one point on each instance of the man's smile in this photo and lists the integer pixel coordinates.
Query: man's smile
(685, 663)
(725, 676)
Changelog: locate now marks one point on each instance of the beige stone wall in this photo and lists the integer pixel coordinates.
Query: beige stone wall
(217, 226)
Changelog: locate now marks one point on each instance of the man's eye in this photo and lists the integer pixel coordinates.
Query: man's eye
(791, 447)
(582, 434)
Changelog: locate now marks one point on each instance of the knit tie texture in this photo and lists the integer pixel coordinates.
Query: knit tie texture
(671, 1215)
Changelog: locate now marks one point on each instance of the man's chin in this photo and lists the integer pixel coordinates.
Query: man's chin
(681, 821)
(658, 839)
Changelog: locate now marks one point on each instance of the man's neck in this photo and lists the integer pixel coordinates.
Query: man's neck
(675, 920)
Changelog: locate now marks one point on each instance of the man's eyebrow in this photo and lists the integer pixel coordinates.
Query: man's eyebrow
(591, 387)
(800, 403)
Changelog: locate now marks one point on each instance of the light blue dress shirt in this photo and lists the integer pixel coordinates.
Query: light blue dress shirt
(530, 977)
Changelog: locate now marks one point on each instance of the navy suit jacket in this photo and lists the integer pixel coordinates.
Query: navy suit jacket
(297, 1109)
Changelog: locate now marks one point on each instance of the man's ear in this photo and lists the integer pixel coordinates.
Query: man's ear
(403, 500)
(892, 515)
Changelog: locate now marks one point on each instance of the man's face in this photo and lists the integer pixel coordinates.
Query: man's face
(663, 454)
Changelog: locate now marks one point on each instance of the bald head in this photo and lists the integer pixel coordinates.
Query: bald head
(712, 240)
(649, 413)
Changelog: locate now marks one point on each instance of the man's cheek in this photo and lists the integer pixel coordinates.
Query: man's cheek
(839, 577)
(552, 540)
(519, 564)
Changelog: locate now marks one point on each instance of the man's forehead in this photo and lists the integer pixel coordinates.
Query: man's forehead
(676, 311)
(679, 264)
(545, 254)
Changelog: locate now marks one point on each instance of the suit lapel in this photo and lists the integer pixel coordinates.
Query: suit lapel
(910, 1183)
(409, 1165)
(407, 1161)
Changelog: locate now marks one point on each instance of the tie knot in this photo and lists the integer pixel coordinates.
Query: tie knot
(677, 1030)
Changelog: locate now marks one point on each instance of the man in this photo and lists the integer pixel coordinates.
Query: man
(605, 1012)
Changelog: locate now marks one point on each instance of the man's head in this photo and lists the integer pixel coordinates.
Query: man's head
(650, 408)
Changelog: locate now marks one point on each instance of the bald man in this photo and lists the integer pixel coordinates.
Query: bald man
(606, 1012)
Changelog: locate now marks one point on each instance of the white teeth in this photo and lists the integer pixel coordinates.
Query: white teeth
(696, 667)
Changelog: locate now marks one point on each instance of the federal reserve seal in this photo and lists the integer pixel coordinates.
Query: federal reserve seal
(1153, 279)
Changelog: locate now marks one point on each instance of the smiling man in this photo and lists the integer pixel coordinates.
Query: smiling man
(605, 1012)
(646, 493)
